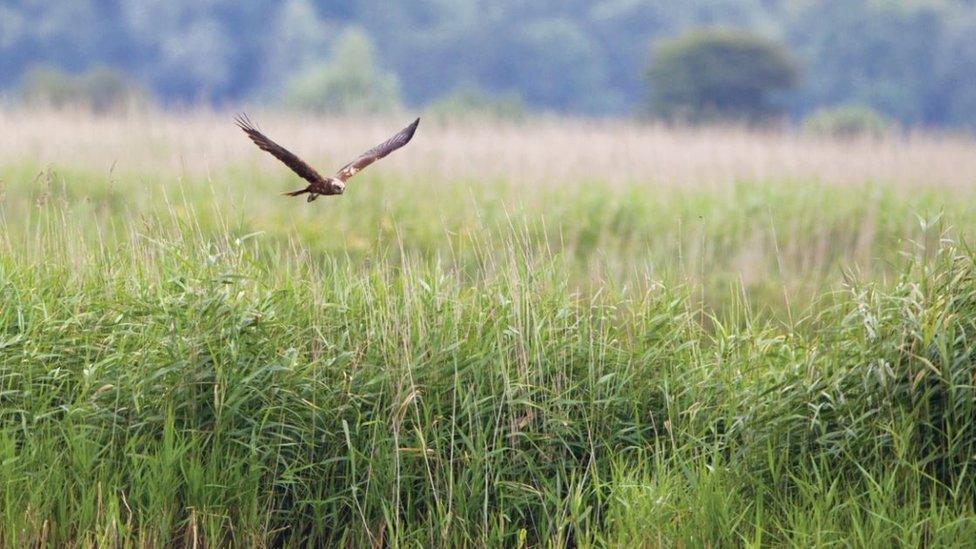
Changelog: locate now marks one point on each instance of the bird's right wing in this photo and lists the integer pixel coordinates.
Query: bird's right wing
(296, 164)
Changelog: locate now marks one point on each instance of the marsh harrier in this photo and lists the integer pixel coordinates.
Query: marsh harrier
(319, 185)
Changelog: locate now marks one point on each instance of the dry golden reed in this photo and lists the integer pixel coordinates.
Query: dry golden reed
(541, 151)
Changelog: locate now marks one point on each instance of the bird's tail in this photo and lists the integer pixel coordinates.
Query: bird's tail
(299, 192)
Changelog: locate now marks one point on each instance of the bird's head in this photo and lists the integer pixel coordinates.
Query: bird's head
(338, 186)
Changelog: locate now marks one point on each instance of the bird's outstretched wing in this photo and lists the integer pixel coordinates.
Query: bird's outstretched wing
(400, 139)
(296, 164)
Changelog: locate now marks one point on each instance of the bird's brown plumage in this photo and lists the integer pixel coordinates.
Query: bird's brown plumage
(296, 164)
(400, 139)
(318, 184)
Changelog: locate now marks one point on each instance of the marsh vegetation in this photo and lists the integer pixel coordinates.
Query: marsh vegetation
(540, 333)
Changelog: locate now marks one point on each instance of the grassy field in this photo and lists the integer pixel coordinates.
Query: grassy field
(548, 334)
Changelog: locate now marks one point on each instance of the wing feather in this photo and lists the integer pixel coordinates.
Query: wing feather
(399, 140)
(288, 158)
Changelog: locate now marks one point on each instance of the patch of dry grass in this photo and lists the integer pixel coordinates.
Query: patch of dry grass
(537, 152)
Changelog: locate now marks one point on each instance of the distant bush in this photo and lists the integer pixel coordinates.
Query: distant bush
(100, 89)
(470, 102)
(847, 122)
(349, 83)
(47, 86)
(718, 74)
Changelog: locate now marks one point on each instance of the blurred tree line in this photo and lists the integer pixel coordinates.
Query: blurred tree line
(911, 60)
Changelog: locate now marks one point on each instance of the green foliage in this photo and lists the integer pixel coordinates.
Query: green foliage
(105, 89)
(453, 372)
(718, 74)
(301, 43)
(48, 87)
(351, 82)
(908, 59)
(468, 101)
(848, 121)
(954, 96)
(553, 60)
(884, 55)
(100, 90)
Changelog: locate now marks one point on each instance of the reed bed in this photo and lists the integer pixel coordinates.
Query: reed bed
(560, 333)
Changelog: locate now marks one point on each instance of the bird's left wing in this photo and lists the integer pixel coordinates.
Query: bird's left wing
(400, 139)
(297, 165)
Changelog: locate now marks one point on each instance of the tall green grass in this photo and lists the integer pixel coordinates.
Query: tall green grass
(763, 364)
(185, 387)
(774, 244)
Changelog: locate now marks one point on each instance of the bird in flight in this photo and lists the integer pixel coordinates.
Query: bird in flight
(319, 185)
